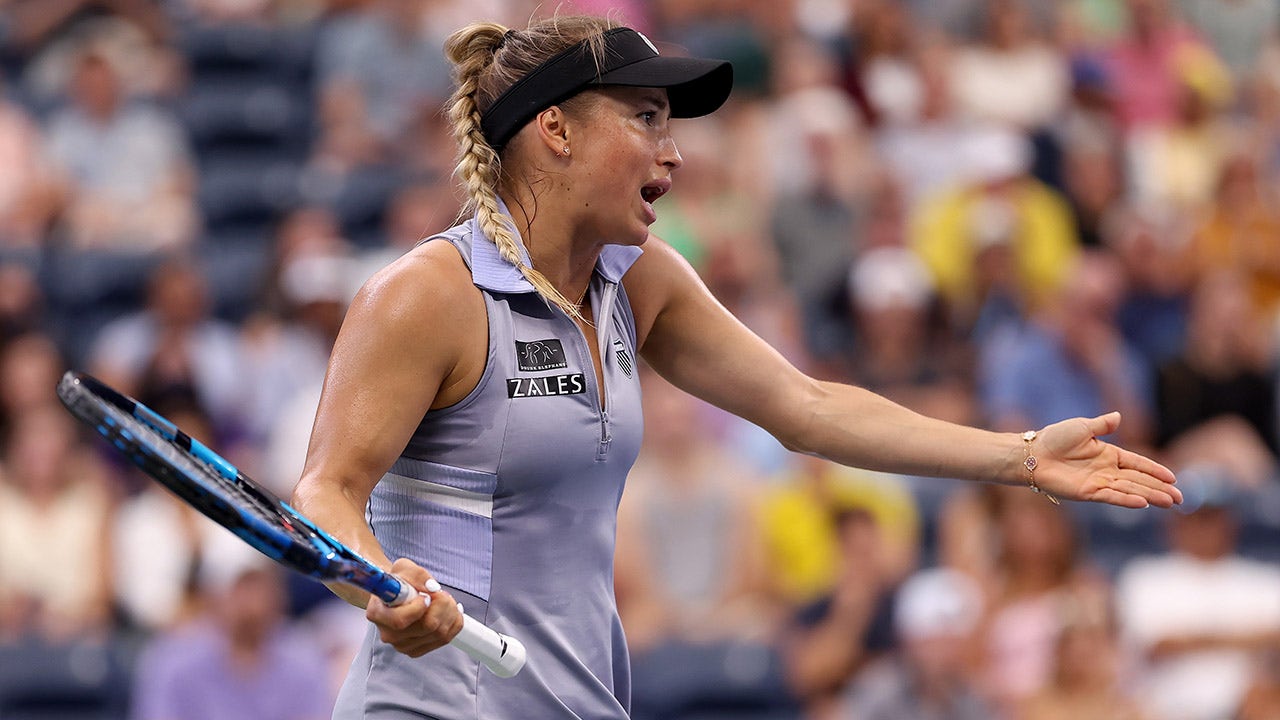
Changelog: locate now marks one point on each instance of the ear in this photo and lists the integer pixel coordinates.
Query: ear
(553, 129)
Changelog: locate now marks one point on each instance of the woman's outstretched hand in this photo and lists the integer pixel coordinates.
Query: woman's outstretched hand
(1073, 464)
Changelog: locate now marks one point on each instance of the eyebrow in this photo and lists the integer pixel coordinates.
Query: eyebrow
(656, 98)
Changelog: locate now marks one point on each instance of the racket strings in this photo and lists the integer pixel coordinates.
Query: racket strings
(133, 436)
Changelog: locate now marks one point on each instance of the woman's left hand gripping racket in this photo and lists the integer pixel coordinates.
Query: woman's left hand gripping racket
(210, 484)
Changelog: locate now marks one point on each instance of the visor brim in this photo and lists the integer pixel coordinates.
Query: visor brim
(695, 86)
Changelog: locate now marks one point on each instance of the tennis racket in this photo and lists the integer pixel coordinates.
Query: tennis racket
(210, 484)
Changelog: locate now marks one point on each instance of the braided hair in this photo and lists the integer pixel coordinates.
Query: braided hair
(487, 59)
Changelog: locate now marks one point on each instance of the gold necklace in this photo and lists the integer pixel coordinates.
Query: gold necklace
(578, 305)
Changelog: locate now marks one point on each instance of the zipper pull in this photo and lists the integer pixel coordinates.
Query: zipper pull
(606, 435)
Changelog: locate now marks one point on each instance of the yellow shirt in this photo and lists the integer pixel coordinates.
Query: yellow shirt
(1043, 238)
(800, 533)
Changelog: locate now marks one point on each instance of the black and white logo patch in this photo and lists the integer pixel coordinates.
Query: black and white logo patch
(540, 355)
(624, 358)
(523, 387)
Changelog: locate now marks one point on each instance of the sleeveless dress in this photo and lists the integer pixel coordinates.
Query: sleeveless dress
(509, 498)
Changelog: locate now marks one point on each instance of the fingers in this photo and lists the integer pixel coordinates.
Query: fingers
(1150, 489)
(1131, 488)
(1129, 460)
(418, 577)
(439, 623)
(1104, 424)
(419, 625)
(1115, 497)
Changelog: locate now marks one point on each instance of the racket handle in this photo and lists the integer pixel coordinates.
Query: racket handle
(502, 654)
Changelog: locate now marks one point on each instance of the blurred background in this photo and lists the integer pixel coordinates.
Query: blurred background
(998, 212)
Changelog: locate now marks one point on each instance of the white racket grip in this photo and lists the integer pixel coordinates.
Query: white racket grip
(502, 654)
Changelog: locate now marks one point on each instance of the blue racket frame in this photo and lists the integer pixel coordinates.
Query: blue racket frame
(208, 482)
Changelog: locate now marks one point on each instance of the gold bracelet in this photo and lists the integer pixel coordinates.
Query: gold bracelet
(1029, 462)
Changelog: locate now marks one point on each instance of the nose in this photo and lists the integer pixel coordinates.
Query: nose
(669, 154)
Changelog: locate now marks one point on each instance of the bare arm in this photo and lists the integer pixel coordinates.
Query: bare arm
(379, 384)
(689, 338)
(402, 349)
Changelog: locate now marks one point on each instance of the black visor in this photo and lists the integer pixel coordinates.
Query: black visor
(695, 86)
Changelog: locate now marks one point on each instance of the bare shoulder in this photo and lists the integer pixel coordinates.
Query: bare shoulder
(423, 305)
(432, 276)
(428, 288)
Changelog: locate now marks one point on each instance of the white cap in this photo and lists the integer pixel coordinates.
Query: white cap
(993, 154)
(318, 278)
(884, 277)
(937, 603)
(225, 559)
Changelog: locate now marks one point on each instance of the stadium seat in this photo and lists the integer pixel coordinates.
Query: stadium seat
(245, 50)
(227, 116)
(82, 680)
(246, 193)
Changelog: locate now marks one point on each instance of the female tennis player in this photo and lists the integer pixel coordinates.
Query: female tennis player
(482, 405)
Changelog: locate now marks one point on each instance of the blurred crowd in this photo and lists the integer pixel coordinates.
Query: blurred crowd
(998, 212)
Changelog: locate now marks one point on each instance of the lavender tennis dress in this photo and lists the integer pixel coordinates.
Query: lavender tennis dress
(509, 498)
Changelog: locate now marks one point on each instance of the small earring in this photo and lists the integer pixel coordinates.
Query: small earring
(566, 149)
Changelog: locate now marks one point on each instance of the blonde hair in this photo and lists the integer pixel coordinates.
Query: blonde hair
(487, 59)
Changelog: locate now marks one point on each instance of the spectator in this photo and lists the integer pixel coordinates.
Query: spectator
(1151, 247)
(158, 541)
(46, 38)
(1010, 77)
(30, 366)
(1262, 700)
(935, 617)
(688, 517)
(798, 520)
(817, 228)
(836, 636)
(1178, 165)
(1216, 401)
(1239, 233)
(1093, 184)
(708, 210)
(25, 189)
(124, 169)
(807, 107)
(883, 74)
(1041, 575)
(55, 507)
(1200, 614)
(286, 343)
(1086, 680)
(175, 345)
(1144, 65)
(1072, 358)
(287, 356)
(412, 212)
(240, 659)
(22, 302)
(378, 68)
(929, 153)
(1005, 210)
(902, 351)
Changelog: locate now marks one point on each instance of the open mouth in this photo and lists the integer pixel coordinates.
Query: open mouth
(654, 190)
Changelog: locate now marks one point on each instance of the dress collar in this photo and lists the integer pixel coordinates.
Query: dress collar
(491, 271)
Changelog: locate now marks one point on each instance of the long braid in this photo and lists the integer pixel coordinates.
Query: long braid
(472, 51)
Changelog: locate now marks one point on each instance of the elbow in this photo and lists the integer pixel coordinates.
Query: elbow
(798, 423)
(303, 493)
(793, 443)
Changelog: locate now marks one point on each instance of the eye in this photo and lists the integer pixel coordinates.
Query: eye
(650, 117)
